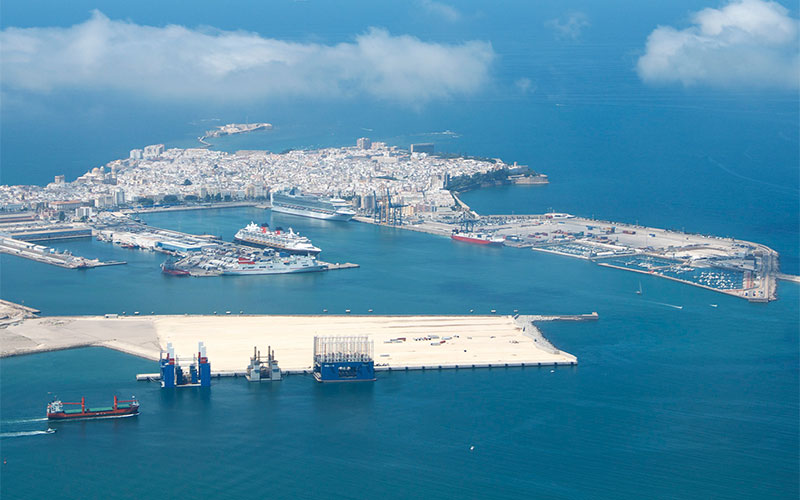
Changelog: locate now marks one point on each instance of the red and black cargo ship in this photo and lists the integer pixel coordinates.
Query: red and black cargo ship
(57, 410)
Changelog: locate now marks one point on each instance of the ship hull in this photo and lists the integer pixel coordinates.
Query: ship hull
(249, 272)
(281, 248)
(312, 214)
(121, 412)
(175, 272)
(475, 241)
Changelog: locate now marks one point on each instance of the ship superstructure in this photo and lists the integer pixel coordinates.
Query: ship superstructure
(283, 241)
(265, 264)
(308, 205)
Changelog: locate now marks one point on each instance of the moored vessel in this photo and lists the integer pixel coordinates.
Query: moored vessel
(57, 410)
(477, 238)
(272, 265)
(308, 205)
(169, 267)
(284, 241)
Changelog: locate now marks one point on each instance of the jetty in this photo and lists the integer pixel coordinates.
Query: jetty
(47, 255)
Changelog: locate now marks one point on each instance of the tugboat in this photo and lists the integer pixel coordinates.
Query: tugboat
(56, 410)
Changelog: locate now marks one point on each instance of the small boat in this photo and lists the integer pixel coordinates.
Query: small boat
(713, 305)
(56, 410)
(639, 291)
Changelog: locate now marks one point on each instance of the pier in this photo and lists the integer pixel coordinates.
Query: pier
(48, 255)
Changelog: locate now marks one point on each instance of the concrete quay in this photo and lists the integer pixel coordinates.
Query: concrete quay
(705, 261)
(401, 342)
(45, 255)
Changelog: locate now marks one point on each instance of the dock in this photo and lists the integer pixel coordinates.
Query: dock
(734, 267)
(46, 255)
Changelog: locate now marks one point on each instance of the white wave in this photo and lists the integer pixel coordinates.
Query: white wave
(26, 433)
(23, 421)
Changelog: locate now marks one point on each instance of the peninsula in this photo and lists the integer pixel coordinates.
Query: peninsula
(414, 190)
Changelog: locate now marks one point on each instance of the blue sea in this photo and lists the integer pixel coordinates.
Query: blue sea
(698, 402)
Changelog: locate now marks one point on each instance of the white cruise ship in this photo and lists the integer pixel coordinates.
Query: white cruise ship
(271, 265)
(283, 241)
(306, 205)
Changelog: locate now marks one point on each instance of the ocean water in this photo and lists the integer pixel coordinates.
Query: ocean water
(666, 402)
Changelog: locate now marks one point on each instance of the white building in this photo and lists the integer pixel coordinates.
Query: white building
(104, 201)
(136, 154)
(153, 151)
(84, 212)
(119, 197)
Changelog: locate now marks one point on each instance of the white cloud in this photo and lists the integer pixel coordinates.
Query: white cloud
(178, 62)
(448, 12)
(525, 85)
(571, 27)
(747, 43)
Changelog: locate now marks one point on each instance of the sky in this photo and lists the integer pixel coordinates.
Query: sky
(743, 44)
